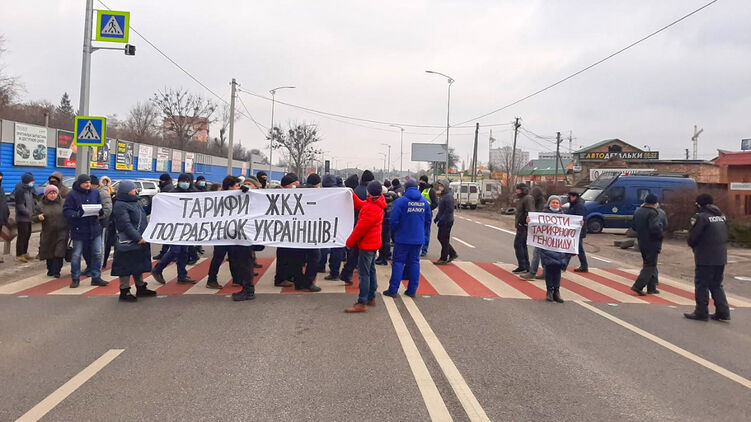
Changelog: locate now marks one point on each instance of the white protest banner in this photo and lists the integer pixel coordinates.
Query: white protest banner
(555, 232)
(291, 218)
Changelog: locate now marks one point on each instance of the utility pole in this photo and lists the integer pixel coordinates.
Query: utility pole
(570, 141)
(557, 154)
(695, 140)
(513, 159)
(84, 153)
(474, 154)
(231, 127)
(687, 153)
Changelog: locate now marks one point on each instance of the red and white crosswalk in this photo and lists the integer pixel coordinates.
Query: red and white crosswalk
(460, 278)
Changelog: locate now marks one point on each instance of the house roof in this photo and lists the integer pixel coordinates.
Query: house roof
(544, 167)
(727, 158)
(601, 143)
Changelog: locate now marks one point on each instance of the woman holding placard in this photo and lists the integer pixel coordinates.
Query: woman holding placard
(552, 261)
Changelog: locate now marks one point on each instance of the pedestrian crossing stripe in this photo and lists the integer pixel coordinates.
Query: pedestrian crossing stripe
(460, 278)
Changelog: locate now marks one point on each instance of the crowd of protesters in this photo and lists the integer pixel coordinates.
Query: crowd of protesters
(392, 224)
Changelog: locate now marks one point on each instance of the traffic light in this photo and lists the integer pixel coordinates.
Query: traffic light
(130, 50)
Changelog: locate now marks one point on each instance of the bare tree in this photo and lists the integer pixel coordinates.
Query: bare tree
(9, 85)
(440, 166)
(224, 116)
(298, 142)
(261, 156)
(142, 121)
(184, 114)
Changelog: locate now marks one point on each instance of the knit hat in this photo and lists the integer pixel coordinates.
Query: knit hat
(395, 183)
(94, 180)
(57, 175)
(374, 188)
(651, 199)
(339, 182)
(185, 177)
(254, 181)
(313, 179)
(329, 181)
(387, 183)
(521, 186)
(410, 184)
(261, 174)
(200, 178)
(289, 179)
(125, 186)
(27, 178)
(424, 178)
(352, 181)
(83, 178)
(165, 177)
(574, 193)
(704, 199)
(51, 188)
(366, 177)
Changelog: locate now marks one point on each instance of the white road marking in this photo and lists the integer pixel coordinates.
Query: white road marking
(468, 400)
(266, 283)
(430, 394)
(670, 346)
(24, 284)
(741, 278)
(43, 407)
(601, 288)
(600, 259)
(566, 293)
(679, 300)
(736, 300)
(490, 281)
(442, 283)
(463, 242)
(500, 229)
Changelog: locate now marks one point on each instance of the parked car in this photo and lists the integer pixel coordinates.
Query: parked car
(612, 199)
(67, 182)
(466, 194)
(146, 188)
(490, 190)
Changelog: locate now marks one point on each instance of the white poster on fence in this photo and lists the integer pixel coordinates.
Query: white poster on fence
(30, 148)
(162, 159)
(291, 218)
(555, 232)
(145, 157)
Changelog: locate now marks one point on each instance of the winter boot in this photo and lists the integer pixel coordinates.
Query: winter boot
(159, 278)
(99, 282)
(125, 296)
(549, 296)
(143, 291)
(557, 296)
(74, 283)
(356, 308)
(720, 317)
(696, 316)
(246, 293)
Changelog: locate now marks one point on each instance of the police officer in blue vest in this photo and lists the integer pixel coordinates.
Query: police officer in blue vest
(708, 238)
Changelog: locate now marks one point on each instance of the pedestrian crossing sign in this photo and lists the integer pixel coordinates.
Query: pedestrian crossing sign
(90, 131)
(112, 26)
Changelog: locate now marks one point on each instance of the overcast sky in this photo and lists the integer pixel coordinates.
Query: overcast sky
(368, 59)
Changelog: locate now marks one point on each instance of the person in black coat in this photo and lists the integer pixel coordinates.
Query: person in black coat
(132, 257)
(24, 203)
(444, 219)
(648, 226)
(4, 209)
(428, 192)
(576, 207)
(263, 178)
(165, 185)
(708, 238)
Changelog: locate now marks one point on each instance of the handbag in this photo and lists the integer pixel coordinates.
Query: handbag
(69, 250)
(125, 244)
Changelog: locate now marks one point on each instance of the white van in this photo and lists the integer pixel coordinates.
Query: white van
(466, 194)
(490, 190)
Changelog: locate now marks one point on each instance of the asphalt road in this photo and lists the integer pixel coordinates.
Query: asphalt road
(299, 357)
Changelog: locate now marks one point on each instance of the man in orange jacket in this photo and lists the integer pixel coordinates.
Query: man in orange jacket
(366, 236)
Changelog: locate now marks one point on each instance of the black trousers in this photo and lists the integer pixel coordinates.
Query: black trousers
(648, 275)
(109, 243)
(349, 268)
(241, 266)
(24, 234)
(220, 252)
(385, 252)
(444, 236)
(708, 279)
(520, 247)
(54, 265)
(287, 265)
(310, 258)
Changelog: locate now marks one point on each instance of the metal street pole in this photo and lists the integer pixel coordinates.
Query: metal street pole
(271, 128)
(388, 167)
(231, 147)
(83, 154)
(401, 149)
(448, 115)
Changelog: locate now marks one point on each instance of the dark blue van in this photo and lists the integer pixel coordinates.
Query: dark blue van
(612, 199)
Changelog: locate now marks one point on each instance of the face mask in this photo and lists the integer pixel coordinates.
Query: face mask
(555, 209)
(30, 184)
(183, 185)
(202, 184)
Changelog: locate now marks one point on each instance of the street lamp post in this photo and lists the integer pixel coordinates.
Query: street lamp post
(401, 149)
(448, 114)
(388, 167)
(384, 162)
(271, 128)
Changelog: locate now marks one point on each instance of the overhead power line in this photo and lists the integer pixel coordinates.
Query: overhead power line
(633, 44)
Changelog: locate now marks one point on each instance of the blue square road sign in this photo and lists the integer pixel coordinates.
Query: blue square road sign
(90, 131)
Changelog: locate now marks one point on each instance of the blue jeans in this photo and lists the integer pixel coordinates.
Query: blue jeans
(366, 269)
(535, 262)
(405, 256)
(177, 253)
(95, 247)
(336, 256)
(427, 241)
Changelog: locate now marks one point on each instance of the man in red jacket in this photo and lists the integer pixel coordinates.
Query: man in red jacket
(366, 236)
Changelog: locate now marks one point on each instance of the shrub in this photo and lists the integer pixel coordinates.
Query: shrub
(739, 230)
